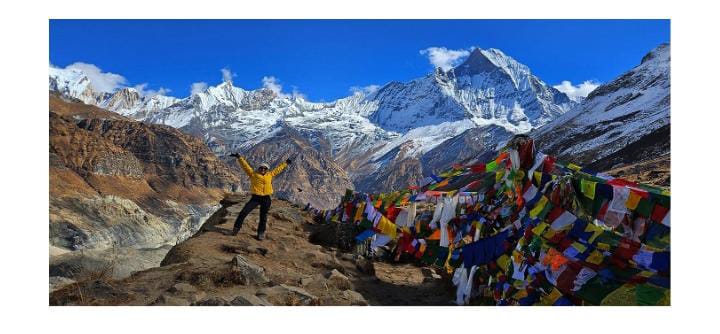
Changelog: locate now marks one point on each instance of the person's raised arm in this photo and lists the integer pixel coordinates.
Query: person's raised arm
(244, 164)
(280, 167)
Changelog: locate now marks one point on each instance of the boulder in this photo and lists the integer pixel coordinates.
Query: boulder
(169, 300)
(355, 298)
(287, 295)
(183, 288)
(187, 291)
(58, 282)
(246, 299)
(316, 283)
(338, 280)
(213, 301)
(306, 281)
(250, 273)
(365, 266)
(427, 272)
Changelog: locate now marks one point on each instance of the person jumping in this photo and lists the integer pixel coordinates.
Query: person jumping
(261, 189)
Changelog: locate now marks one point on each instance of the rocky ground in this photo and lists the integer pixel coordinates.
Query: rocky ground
(214, 268)
(653, 171)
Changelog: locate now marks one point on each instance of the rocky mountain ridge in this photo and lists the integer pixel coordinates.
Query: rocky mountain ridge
(117, 184)
(623, 122)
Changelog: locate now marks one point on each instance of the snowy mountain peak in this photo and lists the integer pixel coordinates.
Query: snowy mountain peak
(71, 83)
(476, 63)
(494, 63)
(659, 54)
(123, 99)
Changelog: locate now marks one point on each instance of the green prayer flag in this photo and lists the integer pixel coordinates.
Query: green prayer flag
(491, 167)
(648, 294)
(644, 208)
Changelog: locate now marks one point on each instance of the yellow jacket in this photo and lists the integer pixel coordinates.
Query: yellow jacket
(261, 184)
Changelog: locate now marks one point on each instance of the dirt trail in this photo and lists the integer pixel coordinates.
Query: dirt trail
(200, 270)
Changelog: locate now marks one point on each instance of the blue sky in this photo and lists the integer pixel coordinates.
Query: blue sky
(324, 59)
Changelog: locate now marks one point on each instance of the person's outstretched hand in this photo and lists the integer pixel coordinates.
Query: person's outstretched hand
(288, 161)
(236, 155)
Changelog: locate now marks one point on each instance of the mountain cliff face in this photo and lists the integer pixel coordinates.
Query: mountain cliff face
(311, 177)
(117, 183)
(477, 144)
(622, 122)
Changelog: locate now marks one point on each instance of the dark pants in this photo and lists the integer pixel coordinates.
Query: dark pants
(255, 200)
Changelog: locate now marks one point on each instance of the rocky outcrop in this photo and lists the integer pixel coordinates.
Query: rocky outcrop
(121, 189)
(250, 273)
(214, 268)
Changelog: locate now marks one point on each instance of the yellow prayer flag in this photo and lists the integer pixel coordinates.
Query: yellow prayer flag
(550, 298)
(595, 257)
(574, 167)
(539, 207)
(503, 262)
(522, 293)
(580, 247)
(596, 231)
(603, 246)
(359, 211)
(538, 230)
(588, 188)
(387, 227)
(538, 177)
(633, 200)
(549, 234)
(646, 273)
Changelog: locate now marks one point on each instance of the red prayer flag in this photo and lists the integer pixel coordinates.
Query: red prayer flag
(479, 168)
(556, 212)
(658, 213)
(548, 164)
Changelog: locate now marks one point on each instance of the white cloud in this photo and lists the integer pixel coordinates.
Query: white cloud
(273, 84)
(143, 91)
(227, 74)
(296, 94)
(445, 58)
(577, 92)
(101, 81)
(366, 90)
(198, 87)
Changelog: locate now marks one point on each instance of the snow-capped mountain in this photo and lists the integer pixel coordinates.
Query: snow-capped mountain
(75, 84)
(363, 133)
(488, 88)
(626, 120)
(127, 101)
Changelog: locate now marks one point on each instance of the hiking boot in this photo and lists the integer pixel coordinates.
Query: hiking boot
(261, 236)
